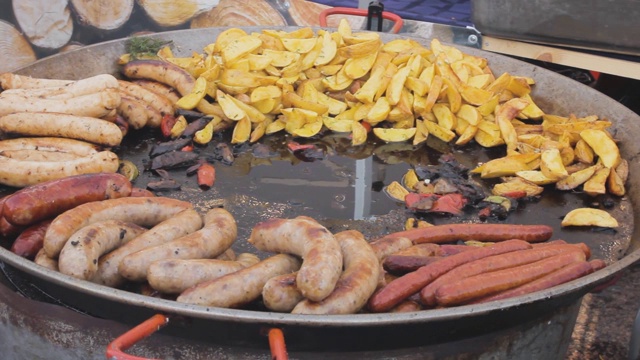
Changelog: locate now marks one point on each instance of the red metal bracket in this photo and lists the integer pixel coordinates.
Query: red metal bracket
(398, 22)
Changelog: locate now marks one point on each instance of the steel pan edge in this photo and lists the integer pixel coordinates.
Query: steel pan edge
(100, 58)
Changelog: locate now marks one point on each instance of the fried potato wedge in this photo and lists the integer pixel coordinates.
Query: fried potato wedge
(589, 217)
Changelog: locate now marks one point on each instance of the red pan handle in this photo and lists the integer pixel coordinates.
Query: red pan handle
(398, 22)
(116, 349)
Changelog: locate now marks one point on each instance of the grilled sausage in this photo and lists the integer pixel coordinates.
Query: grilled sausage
(39, 155)
(161, 89)
(83, 128)
(53, 144)
(181, 224)
(143, 211)
(95, 105)
(281, 294)
(30, 240)
(426, 249)
(494, 263)
(15, 81)
(172, 75)
(158, 102)
(19, 173)
(140, 192)
(480, 232)
(401, 288)
(43, 260)
(135, 112)
(79, 256)
(402, 264)
(357, 282)
(32, 204)
(305, 237)
(482, 285)
(561, 276)
(407, 306)
(241, 287)
(217, 235)
(387, 246)
(173, 276)
(80, 87)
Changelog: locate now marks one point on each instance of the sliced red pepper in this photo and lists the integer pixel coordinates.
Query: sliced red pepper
(206, 175)
(187, 148)
(166, 124)
(450, 203)
(420, 202)
(517, 194)
(294, 146)
(366, 126)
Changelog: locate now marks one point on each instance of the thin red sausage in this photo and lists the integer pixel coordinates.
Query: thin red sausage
(479, 232)
(30, 240)
(478, 286)
(403, 287)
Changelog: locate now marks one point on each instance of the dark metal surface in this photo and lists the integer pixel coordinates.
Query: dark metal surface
(250, 203)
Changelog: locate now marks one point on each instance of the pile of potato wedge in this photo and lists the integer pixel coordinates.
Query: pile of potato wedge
(304, 82)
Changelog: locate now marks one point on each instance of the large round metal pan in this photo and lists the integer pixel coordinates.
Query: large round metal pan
(554, 93)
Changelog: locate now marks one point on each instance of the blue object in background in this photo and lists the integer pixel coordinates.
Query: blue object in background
(449, 12)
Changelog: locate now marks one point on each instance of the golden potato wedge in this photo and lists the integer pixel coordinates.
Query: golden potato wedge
(535, 177)
(583, 152)
(615, 185)
(551, 164)
(239, 47)
(445, 116)
(516, 185)
(505, 166)
(396, 191)
(394, 135)
(603, 146)
(623, 170)
(241, 131)
(469, 113)
(467, 135)
(589, 217)
(356, 68)
(410, 179)
(577, 178)
(358, 133)
(438, 131)
(596, 185)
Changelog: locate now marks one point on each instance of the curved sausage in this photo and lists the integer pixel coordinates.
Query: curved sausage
(391, 245)
(51, 198)
(478, 286)
(217, 235)
(143, 211)
(181, 224)
(173, 276)
(30, 240)
(135, 112)
(403, 287)
(305, 237)
(241, 287)
(83, 128)
(281, 294)
(19, 173)
(140, 192)
(54, 144)
(95, 105)
(43, 260)
(357, 282)
(79, 256)
(480, 232)
(161, 89)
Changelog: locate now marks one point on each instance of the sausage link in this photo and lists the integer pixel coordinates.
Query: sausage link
(79, 256)
(39, 155)
(19, 173)
(158, 102)
(493, 263)
(561, 276)
(95, 105)
(217, 235)
(51, 198)
(15, 81)
(426, 249)
(30, 240)
(303, 236)
(83, 128)
(53, 144)
(479, 232)
(173, 276)
(387, 246)
(401, 288)
(407, 306)
(143, 211)
(478, 286)
(355, 285)
(161, 89)
(241, 287)
(43, 260)
(281, 294)
(80, 87)
(402, 264)
(181, 224)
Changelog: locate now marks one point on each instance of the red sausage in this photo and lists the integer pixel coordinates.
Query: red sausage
(30, 241)
(402, 264)
(482, 285)
(49, 199)
(479, 232)
(494, 263)
(401, 288)
(140, 192)
(567, 273)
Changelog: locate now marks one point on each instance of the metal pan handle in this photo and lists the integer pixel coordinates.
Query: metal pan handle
(116, 349)
(397, 20)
